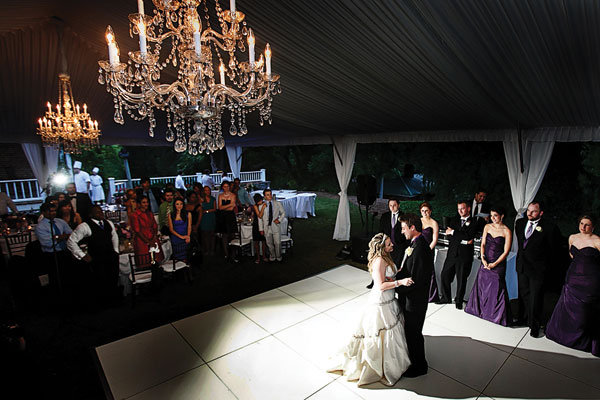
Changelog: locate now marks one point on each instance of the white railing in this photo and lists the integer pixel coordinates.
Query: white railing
(120, 185)
(24, 192)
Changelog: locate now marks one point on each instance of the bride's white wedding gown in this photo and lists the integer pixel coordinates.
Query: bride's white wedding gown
(376, 350)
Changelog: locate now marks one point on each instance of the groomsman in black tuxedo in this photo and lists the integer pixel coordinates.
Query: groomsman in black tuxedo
(418, 265)
(81, 202)
(461, 231)
(538, 240)
(480, 206)
(390, 225)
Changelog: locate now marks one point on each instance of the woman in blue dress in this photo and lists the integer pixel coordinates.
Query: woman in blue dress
(180, 227)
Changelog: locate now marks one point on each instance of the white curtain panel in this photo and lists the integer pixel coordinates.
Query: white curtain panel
(234, 154)
(344, 150)
(536, 157)
(51, 160)
(33, 153)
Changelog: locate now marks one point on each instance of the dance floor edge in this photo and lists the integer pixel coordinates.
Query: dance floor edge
(275, 345)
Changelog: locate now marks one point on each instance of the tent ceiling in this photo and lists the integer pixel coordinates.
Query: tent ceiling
(347, 66)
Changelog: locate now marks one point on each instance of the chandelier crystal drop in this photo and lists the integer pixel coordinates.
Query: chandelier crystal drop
(67, 125)
(212, 77)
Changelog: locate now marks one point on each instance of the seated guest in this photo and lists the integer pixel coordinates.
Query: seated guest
(102, 254)
(145, 232)
(66, 213)
(431, 231)
(50, 200)
(489, 296)
(459, 259)
(53, 233)
(6, 203)
(244, 199)
(207, 180)
(269, 225)
(208, 222)
(258, 210)
(575, 322)
(166, 208)
(153, 194)
(81, 202)
(180, 229)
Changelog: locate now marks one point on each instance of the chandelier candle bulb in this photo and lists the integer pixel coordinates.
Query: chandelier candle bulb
(140, 6)
(113, 54)
(40, 122)
(268, 59)
(143, 47)
(232, 8)
(77, 108)
(84, 108)
(222, 71)
(251, 48)
(49, 107)
(197, 44)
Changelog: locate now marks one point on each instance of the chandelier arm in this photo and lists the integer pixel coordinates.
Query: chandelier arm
(209, 36)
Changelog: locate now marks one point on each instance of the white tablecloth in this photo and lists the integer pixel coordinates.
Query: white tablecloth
(295, 205)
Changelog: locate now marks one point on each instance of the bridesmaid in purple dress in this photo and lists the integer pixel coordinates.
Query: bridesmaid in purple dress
(575, 322)
(430, 232)
(489, 296)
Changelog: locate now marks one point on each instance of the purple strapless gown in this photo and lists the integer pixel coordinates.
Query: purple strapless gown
(489, 296)
(433, 288)
(575, 322)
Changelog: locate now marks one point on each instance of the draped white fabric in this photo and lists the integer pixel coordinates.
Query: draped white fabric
(234, 154)
(344, 150)
(42, 168)
(536, 157)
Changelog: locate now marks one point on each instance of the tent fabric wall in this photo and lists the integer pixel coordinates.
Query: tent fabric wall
(234, 154)
(43, 163)
(344, 151)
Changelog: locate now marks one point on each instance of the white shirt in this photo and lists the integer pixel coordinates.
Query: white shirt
(394, 219)
(534, 223)
(476, 208)
(207, 180)
(81, 180)
(82, 231)
(179, 183)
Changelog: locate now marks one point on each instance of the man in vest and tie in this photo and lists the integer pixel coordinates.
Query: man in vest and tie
(102, 254)
(269, 225)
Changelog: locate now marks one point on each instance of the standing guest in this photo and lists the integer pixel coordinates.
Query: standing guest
(478, 207)
(6, 203)
(207, 180)
(80, 201)
(153, 194)
(102, 254)
(269, 225)
(208, 222)
(226, 221)
(258, 210)
(60, 196)
(180, 229)
(489, 296)
(194, 206)
(199, 190)
(53, 234)
(81, 178)
(537, 238)
(431, 231)
(244, 199)
(575, 322)
(97, 190)
(66, 213)
(462, 231)
(418, 267)
(145, 232)
(131, 202)
(166, 208)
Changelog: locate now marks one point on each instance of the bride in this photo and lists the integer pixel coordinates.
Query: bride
(377, 350)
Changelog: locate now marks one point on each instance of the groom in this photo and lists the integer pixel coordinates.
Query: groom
(417, 264)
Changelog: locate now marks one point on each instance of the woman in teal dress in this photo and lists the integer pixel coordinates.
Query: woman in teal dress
(208, 222)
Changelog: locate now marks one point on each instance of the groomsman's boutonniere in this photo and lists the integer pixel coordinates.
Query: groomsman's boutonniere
(408, 251)
(467, 223)
(538, 228)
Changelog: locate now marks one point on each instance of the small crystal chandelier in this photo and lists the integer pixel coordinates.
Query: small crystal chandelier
(194, 103)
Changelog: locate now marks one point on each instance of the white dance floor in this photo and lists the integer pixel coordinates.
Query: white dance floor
(275, 346)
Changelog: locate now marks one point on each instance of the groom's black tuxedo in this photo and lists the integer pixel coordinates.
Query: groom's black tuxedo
(535, 258)
(399, 241)
(414, 299)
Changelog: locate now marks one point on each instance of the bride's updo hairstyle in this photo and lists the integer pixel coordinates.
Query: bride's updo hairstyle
(377, 249)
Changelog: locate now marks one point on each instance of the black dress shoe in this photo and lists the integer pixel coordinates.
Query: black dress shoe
(413, 372)
(370, 285)
(459, 305)
(441, 302)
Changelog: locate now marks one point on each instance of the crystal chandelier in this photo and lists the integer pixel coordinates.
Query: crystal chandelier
(211, 79)
(68, 126)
